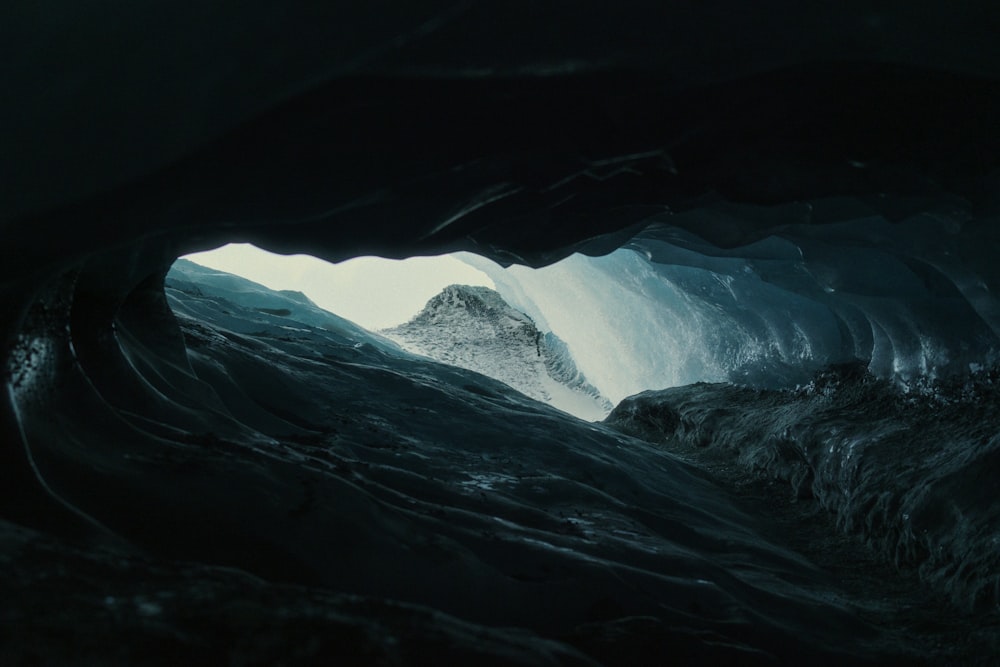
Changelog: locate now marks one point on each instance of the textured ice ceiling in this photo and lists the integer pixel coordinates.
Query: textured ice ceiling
(844, 158)
(521, 131)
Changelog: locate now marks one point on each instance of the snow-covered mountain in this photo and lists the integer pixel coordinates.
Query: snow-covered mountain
(474, 328)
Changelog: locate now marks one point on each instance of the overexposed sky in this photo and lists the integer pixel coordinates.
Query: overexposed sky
(371, 291)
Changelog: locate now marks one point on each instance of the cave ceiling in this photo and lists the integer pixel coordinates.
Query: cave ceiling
(518, 130)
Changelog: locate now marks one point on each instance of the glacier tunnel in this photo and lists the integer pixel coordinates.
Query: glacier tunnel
(189, 477)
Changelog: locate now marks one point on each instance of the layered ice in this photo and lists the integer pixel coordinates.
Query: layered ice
(633, 325)
(840, 440)
(669, 309)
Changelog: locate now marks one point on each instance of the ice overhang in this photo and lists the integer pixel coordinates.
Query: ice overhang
(408, 136)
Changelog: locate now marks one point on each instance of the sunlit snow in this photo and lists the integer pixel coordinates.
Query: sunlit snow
(373, 292)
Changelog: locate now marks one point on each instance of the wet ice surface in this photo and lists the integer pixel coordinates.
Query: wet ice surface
(303, 480)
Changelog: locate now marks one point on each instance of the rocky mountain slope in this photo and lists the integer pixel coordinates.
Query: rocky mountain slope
(474, 328)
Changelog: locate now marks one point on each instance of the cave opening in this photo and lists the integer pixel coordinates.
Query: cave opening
(446, 308)
(580, 334)
(787, 220)
(664, 307)
(373, 292)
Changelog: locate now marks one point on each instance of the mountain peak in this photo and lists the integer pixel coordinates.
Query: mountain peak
(473, 327)
(476, 301)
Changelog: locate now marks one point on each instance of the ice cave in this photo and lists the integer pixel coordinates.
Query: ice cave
(729, 393)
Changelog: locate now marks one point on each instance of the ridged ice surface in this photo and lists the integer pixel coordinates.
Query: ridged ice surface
(910, 471)
(669, 309)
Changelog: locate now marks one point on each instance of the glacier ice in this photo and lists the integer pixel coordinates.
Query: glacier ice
(839, 440)
(632, 326)
(823, 177)
(669, 309)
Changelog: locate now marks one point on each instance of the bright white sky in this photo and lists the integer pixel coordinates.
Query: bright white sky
(371, 291)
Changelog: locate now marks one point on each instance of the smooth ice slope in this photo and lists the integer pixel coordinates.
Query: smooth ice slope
(287, 308)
